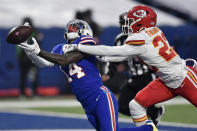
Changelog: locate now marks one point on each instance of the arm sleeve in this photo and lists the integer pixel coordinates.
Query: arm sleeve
(125, 50)
(41, 62)
(38, 61)
(113, 58)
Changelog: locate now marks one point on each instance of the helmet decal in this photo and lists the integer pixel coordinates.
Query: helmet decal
(140, 13)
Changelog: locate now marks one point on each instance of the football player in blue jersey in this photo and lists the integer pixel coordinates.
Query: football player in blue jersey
(99, 103)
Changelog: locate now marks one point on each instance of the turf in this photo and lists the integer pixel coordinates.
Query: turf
(174, 113)
(181, 113)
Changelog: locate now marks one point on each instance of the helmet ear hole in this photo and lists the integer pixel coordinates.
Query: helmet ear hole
(139, 25)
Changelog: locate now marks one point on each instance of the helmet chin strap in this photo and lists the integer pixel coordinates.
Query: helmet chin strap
(72, 35)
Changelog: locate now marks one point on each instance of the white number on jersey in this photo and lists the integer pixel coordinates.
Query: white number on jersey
(74, 69)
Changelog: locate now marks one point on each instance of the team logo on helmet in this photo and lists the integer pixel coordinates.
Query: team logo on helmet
(140, 13)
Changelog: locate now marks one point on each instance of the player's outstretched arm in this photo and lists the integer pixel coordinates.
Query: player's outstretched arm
(111, 58)
(62, 60)
(38, 61)
(32, 51)
(125, 50)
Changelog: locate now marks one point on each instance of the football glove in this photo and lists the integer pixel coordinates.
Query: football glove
(34, 48)
(70, 47)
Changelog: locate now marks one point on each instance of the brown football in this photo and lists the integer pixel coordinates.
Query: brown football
(19, 34)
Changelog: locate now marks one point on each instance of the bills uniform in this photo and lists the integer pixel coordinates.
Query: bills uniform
(99, 104)
(87, 86)
(152, 48)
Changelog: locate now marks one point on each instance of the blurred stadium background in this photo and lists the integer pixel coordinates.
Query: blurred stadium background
(176, 18)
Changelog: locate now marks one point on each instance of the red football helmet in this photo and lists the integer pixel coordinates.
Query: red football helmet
(139, 18)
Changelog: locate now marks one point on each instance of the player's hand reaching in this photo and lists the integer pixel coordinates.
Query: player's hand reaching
(33, 49)
(70, 47)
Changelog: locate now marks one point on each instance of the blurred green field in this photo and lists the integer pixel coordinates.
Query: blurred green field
(174, 113)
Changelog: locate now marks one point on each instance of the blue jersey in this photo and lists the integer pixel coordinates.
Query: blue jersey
(99, 102)
(83, 75)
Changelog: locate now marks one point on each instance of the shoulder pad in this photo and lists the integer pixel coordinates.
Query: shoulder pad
(136, 39)
(152, 31)
(87, 40)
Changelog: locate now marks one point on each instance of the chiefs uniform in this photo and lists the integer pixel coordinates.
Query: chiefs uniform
(159, 56)
(140, 76)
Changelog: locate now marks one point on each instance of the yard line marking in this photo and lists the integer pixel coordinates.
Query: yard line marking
(83, 116)
(66, 103)
(40, 103)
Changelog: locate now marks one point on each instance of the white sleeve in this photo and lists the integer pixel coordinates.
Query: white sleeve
(39, 61)
(125, 50)
(113, 58)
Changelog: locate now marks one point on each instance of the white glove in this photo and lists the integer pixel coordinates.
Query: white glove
(70, 47)
(33, 49)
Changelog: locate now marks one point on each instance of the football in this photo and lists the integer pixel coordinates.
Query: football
(19, 34)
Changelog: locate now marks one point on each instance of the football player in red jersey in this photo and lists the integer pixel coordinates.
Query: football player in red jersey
(140, 76)
(148, 43)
